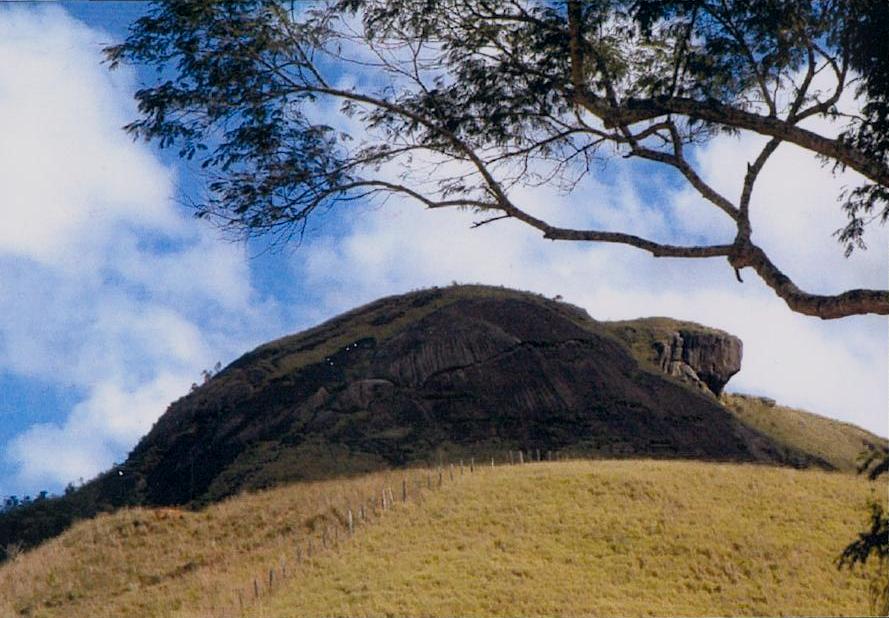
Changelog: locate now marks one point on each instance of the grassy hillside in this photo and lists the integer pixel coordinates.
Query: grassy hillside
(574, 538)
(165, 562)
(836, 442)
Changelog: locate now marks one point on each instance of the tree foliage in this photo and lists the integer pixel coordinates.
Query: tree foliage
(458, 103)
(873, 542)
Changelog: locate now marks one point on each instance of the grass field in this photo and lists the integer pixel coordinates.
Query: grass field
(604, 538)
(836, 442)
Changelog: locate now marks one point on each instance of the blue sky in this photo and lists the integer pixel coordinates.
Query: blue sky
(113, 298)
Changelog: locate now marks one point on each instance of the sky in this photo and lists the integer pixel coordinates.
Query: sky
(114, 298)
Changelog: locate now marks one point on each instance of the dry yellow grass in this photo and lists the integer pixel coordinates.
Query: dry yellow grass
(167, 562)
(604, 538)
(627, 538)
(836, 442)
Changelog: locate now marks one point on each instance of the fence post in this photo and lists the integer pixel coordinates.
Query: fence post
(538, 455)
(351, 523)
(492, 462)
(271, 578)
(472, 465)
(255, 588)
(511, 460)
(521, 457)
(440, 477)
(451, 471)
(403, 490)
(461, 467)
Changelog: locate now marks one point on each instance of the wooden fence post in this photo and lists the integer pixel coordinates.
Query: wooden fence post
(472, 465)
(511, 461)
(451, 471)
(403, 490)
(440, 477)
(538, 455)
(492, 462)
(271, 578)
(521, 457)
(351, 524)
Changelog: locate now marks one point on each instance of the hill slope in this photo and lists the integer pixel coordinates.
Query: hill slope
(438, 373)
(606, 538)
(443, 373)
(839, 444)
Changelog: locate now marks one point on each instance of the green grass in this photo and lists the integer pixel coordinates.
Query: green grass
(838, 443)
(604, 538)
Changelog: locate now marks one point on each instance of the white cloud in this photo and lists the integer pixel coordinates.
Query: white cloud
(67, 170)
(106, 286)
(52, 452)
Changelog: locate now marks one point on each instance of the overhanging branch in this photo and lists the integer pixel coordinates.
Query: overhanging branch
(852, 302)
(640, 110)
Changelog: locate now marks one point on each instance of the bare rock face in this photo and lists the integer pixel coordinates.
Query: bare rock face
(706, 360)
(698, 355)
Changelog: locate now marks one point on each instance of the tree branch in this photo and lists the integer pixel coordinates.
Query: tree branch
(749, 180)
(638, 110)
(852, 302)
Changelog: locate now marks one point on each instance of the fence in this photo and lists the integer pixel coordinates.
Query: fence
(346, 521)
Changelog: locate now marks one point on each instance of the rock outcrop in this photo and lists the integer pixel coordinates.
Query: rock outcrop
(701, 357)
(698, 355)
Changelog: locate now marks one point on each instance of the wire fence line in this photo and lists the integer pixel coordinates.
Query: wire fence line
(343, 521)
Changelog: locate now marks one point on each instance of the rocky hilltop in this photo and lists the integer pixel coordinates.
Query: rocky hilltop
(434, 375)
(446, 374)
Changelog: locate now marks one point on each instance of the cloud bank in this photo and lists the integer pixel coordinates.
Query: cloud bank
(106, 286)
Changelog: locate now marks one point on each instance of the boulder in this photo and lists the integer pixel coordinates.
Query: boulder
(704, 357)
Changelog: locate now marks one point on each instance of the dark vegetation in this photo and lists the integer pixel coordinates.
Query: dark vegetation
(873, 542)
(459, 372)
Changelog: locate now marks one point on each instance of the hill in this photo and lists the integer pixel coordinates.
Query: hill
(605, 538)
(839, 444)
(438, 373)
(459, 372)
